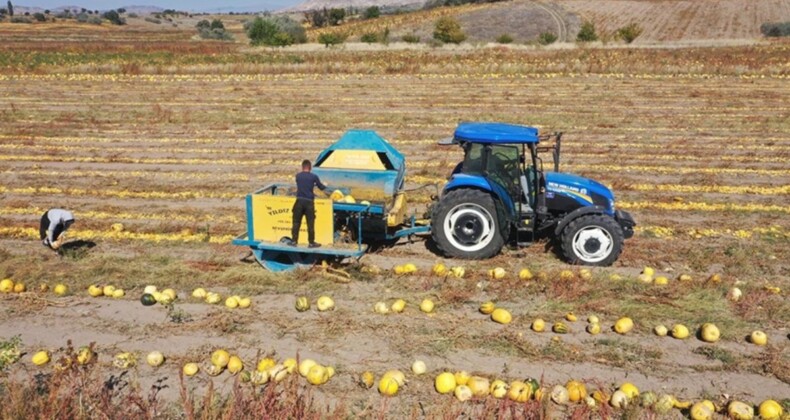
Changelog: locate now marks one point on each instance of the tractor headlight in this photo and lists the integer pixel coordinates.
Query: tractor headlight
(611, 204)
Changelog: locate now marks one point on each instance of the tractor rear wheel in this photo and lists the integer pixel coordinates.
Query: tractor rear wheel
(594, 239)
(464, 225)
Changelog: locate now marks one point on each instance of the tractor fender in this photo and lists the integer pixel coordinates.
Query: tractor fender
(505, 205)
(581, 211)
(467, 181)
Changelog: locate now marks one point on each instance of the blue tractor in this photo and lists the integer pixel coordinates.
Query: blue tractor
(500, 194)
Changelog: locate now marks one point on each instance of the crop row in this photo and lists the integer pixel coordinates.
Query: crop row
(37, 56)
(178, 195)
(720, 189)
(283, 99)
(231, 176)
(681, 156)
(321, 138)
(318, 76)
(705, 207)
(126, 215)
(123, 235)
(648, 230)
(418, 164)
(202, 194)
(186, 236)
(775, 232)
(137, 174)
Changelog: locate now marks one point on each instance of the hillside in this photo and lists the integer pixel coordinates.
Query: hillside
(359, 4)
(524, 20)
(673, 20)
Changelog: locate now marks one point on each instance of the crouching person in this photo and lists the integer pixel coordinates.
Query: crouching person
(54, 223)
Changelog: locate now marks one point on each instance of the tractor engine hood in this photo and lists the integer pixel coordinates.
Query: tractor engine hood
(584, 191)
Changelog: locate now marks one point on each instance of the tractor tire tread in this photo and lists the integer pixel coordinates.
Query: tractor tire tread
(452, 199)
(607, 222)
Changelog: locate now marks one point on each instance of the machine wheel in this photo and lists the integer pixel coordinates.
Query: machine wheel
(464, 225)
(593, 239)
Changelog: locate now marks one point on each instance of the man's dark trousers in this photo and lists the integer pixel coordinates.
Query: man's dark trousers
(304, 208)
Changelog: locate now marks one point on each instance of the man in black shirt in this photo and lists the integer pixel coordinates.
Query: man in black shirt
(305, 204)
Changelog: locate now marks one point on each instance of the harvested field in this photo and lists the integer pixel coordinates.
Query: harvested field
(693, 141)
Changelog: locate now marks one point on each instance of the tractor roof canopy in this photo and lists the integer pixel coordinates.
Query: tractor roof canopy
(495, 133)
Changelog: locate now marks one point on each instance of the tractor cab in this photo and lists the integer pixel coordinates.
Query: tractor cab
(515, 168)
(500, 193)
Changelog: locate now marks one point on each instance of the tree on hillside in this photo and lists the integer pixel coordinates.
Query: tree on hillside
(336, 15)
(329, 39)
(629, 32)
(10, 8)
(372, 12)
(587, 33)
(213, 30)
(114, 17)
(318, 18)
(448, 29)
(277, 31)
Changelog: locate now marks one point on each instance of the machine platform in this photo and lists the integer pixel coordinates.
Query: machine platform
(276, 256)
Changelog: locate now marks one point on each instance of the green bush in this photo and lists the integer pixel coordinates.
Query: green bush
(336, 16)
(587, 33)
(547, 38)
(39, 17)
(410, 38)
(504, 39)
(372, 12)
(213, 30)
(775, 29)
(629, 33)
(370, 37)
(275, 31)
(331, 39)
(114, 17)
(262, 31)
(448, 30)
(218, 34)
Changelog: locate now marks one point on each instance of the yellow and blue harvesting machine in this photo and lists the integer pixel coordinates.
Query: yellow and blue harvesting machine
(367, 206)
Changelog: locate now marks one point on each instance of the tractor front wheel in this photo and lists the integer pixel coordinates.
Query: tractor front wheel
(464, 225)
(594, 239)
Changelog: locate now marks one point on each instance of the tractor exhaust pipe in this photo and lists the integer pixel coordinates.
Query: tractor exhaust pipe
(556, 152)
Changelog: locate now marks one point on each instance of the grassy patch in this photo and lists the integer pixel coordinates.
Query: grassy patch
(620, 353)
(508, 343)
(723, 355)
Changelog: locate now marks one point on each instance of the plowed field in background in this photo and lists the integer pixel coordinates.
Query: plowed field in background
(694, 143)
(672, 20)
